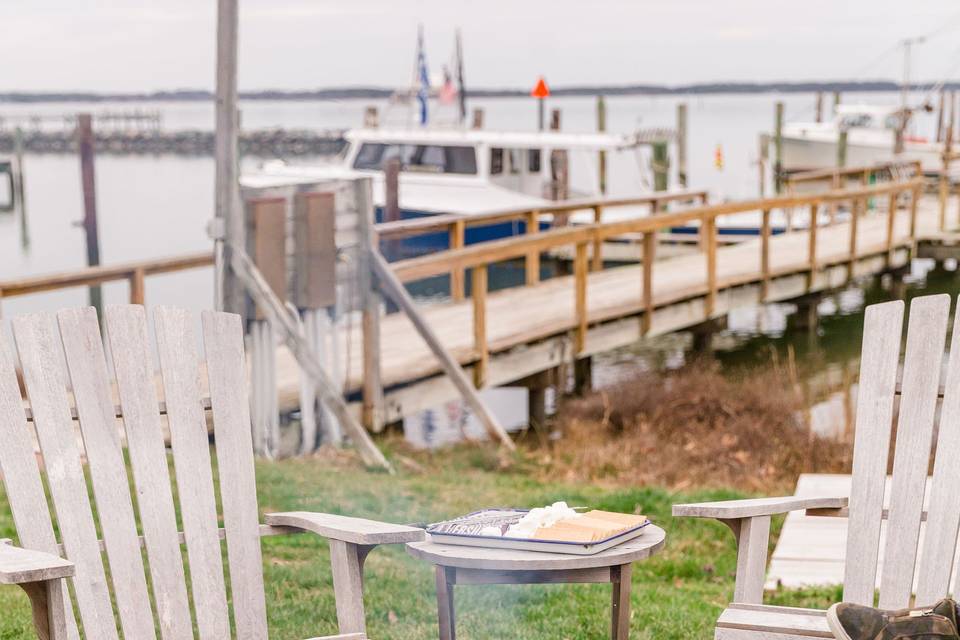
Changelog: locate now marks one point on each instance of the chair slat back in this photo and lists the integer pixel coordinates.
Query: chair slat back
(226, 370)
(926, 335)
(90, 380)
(882, 327)
(132, 363)
(65, 352)
(179, 366)
(916, 420)
(943, 521)
(21, 476)
(41, 357)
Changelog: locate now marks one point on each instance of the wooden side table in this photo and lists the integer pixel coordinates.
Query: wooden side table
(462, 565)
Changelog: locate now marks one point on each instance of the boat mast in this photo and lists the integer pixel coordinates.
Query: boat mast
(461, 87)
(907, 44)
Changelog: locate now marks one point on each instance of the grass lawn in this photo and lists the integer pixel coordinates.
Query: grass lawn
(677, 594)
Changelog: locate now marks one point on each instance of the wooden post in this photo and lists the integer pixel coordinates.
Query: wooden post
(940, 115)
(391, 179)
(765, 254)
(842, 149)
(944, 182)
(88, 182)
(602, 155)
(709, 227)
(914, 201)
(764, 159)
(891, 223)
(819, 106)
(532, 262)
(836, 101)
(458, 234)
(21, 192)
(649, 257)
(661, 166)
(682, 145)
(559, 166)
(137, 286)
(370, 303)
(478, 293)
(580, 284)
(778, 147)
(371, 118)
(854, 217)
(477, 118)
(812, 244)
(228, 293)
(596, 263)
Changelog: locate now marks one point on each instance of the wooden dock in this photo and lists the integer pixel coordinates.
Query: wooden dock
(512, 335)
(508, 335)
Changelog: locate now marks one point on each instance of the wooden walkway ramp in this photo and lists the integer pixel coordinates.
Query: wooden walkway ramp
(508, 335)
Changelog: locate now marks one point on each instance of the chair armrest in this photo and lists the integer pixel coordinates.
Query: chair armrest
(22, 566)
(753, 507)
(345, 528)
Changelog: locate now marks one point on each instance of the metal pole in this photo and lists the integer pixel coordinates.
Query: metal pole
(89, 185)
(228, 292)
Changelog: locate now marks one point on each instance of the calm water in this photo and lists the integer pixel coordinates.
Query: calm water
(159, 206)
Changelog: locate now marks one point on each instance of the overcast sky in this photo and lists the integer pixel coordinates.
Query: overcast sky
(144, 45)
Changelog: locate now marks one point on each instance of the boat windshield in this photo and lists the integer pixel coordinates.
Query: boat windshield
(425, 158)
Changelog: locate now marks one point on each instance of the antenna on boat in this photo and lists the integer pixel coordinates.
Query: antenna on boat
(461, 87)
(907, 44)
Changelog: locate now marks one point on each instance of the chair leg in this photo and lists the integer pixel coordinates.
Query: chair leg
(48, 600)
(620, 610)
(346, 560)
(445, 611)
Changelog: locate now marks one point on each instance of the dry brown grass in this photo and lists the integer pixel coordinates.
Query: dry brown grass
(692, 427)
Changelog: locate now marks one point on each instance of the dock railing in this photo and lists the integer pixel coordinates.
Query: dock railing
(479, 257)
(135, 273)
(455, 225)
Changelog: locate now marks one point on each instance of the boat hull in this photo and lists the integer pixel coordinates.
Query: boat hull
(801, 153)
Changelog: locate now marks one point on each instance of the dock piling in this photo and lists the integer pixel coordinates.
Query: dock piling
(682, 144)
(661, 166)
(602, 155)
(819, 107)
(778, 148)
(89, 185)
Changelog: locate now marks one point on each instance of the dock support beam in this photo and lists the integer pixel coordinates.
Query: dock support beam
(703, 334)
(228, 291)
(806, 318)
(582, 375)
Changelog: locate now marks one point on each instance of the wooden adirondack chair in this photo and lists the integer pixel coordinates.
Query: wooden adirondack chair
(747, 617)
(66, 351)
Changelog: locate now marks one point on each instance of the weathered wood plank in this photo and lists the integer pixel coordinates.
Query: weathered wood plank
(21, 476)
(133, 365)
(354, 530)
(532, 260)
(478, 292)
(649, 257)
(19, 565)
(347, 566)
(179, 367)
(752, 559)
(87, 367)
(878, 378)
(38, 343)
(926, 335)
(580, 298)
(223, 346)
(943, 513)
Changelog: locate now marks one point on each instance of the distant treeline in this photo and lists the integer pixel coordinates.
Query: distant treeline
(357, 93)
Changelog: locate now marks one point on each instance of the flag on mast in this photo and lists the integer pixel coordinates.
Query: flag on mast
(423, 93)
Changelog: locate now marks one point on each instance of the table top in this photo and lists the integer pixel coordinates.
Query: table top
(450, 555)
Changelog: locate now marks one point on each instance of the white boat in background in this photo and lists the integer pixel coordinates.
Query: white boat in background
(458, 171)
(871, 139)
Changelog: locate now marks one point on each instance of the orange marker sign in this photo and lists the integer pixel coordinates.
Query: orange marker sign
(541, 91)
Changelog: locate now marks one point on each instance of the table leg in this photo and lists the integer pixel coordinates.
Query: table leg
(620, 619)
(445, 612)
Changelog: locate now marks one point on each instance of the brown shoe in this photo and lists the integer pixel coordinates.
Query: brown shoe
(856, 622)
